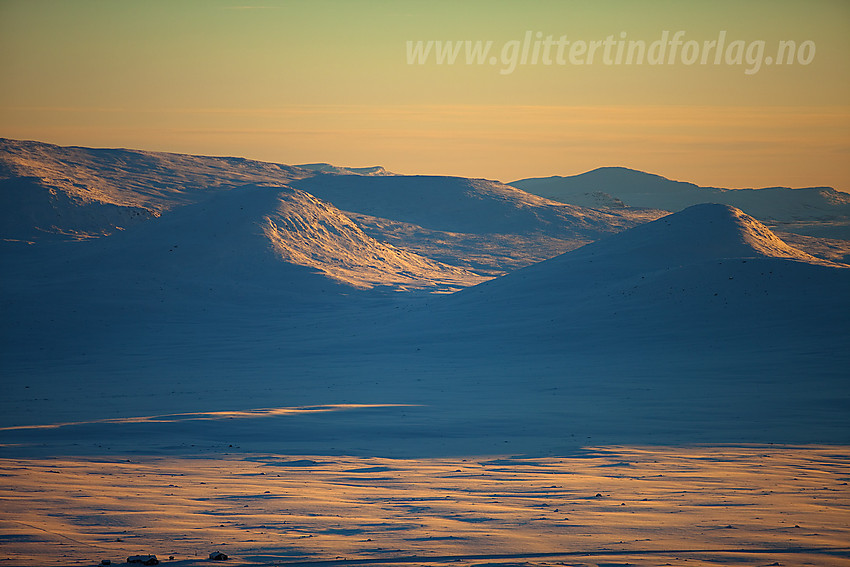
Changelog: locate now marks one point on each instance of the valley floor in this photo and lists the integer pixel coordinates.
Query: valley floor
(613, 505)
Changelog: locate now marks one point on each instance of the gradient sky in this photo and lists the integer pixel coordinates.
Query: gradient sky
(322, 80)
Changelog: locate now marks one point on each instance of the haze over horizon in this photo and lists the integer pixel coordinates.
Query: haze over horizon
(337, 82)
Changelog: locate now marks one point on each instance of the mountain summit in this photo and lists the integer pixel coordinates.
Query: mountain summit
(802, 210)
(700, 232)
(707, 271)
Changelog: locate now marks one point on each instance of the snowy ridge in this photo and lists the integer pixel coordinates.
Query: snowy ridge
(308, 232)
(259, 235)
(155, 180)
(708, 271)
(328, 168)
(30, 211)
(56, 192)
(470, 206)
(698, 233)
(462, 225)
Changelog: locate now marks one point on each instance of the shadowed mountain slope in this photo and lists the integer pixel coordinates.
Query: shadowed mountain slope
(708, 275)
(699, 327)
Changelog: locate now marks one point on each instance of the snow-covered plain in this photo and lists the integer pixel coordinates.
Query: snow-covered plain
(643, 506)
(258, 314)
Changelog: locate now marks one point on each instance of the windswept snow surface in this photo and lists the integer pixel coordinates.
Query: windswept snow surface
(307, 232)
(636, 506)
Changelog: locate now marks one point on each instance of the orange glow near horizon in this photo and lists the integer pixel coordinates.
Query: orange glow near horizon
(325, 81)
(734, 147)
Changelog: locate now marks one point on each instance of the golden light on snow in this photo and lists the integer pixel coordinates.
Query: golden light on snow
(641, 505)
(207, 416)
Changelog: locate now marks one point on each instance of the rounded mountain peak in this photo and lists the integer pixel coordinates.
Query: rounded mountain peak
(706, 231)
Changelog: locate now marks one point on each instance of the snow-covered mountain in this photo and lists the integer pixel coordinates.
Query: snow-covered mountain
(477, 224)
(709, 271)
(702, 323)
(700, 326)
(308, 232)
(792, 209)
(50, 192)
(243, 253)
(698, 243)
(460, 205)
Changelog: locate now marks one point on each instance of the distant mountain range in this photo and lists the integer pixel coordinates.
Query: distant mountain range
(478, 227)
(818, 211)
(136, 283)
